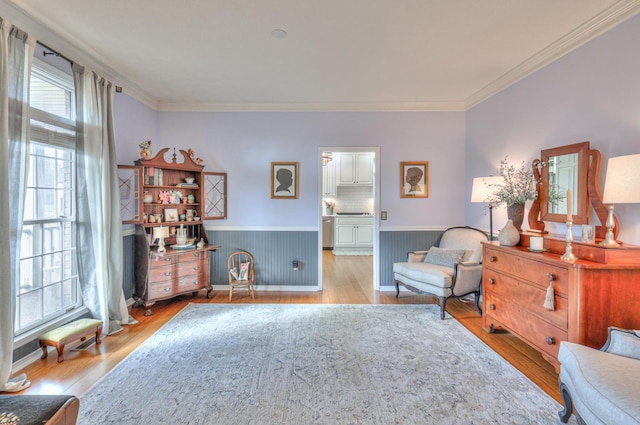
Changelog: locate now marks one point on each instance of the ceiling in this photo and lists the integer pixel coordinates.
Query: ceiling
(338, 55)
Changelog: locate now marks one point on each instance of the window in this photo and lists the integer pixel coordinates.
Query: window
(48, 284)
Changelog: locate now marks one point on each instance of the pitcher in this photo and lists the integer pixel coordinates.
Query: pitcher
(181, 236)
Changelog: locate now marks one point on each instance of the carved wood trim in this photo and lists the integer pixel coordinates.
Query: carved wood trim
(595, 196)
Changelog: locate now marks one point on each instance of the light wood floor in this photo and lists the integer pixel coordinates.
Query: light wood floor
(347, 280)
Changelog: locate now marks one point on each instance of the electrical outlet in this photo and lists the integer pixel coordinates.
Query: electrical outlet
(383, 215)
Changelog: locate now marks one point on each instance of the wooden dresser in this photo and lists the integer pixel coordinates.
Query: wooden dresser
(160, 276)
(590, 295)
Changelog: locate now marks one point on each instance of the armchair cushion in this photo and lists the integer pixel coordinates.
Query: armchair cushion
(443, 256)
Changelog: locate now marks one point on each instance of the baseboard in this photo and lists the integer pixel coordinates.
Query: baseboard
(272, 288)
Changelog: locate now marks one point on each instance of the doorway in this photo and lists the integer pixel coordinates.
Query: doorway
(348, 200)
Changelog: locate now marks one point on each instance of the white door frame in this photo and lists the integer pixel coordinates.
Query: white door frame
(376, 208)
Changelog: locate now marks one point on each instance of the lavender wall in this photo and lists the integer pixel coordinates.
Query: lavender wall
(590, 94)
(244, 144)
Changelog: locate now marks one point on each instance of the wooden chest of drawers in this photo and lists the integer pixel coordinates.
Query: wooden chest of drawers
(589, 297)
(172, 273)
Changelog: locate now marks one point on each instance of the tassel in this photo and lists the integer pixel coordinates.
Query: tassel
(549, 301)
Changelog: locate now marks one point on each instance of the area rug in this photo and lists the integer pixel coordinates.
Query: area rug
(314, 364)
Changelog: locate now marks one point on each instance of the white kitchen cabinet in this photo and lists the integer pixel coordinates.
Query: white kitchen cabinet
(353, 233)
(329, 179)
(355, 168)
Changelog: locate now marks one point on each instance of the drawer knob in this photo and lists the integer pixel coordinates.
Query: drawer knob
(492, 281)
(167, 259)
(492, 306)
(493, 258)
(196, 283)
(167, 289)
(550, 340)
(196, 268)
(551, 277)
(196, 254)
(167, 273)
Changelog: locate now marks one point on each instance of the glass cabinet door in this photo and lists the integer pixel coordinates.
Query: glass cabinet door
(215, 196)
(130, 200)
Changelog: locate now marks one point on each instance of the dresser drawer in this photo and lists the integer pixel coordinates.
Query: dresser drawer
(536, 272)
(162, 261)
(191, 256)
(169, 288)
(526, 296)
(182, 268)
(521, 321)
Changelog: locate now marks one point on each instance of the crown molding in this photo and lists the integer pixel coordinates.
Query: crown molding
(599, 24)
(312, 106)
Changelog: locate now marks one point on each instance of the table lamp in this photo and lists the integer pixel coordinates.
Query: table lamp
(160, 233)
(482, 191)
(621, 186)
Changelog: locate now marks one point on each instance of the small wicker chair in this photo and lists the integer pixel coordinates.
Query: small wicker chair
(240, 267)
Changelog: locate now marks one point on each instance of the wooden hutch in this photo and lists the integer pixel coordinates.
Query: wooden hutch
(171, 195)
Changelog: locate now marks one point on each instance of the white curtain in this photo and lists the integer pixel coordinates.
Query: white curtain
(100, 258)
(16, 54)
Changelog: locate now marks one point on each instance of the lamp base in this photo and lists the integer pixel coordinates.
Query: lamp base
(161, 247)
(609, 240)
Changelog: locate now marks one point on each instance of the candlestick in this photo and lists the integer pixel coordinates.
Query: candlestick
(569, 206)
(568, 252)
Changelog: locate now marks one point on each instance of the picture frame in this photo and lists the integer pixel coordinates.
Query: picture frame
(171, 214)
(284, 180)
(414, 179)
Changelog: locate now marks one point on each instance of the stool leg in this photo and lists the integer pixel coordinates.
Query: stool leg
(98, 333)
(45, 353)
(60, 349)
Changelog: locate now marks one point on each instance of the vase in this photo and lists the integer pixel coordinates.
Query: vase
(515, 213)
(148, 198)
(509, 235)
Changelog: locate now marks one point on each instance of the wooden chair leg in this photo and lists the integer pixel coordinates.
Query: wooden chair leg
(230, 293)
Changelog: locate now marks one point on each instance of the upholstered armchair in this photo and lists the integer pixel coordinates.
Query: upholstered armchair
(451, 268)
(602, 386)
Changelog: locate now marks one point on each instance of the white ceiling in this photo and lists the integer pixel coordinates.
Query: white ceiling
(337, 55)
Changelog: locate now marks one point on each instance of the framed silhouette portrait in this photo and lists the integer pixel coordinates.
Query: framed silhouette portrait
(414, 179)
(284, 180)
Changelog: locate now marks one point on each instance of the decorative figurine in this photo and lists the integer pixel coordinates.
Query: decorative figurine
(145, 149)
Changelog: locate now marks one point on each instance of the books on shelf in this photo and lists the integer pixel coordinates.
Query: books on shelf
(187, 185)
(153, 176)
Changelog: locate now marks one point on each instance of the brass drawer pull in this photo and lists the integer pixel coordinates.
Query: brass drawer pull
(167, 273)
(167, 259)
(551, 277)
(196, 283)
(493, 258)
(167, 289)
(196, 254)
(550, 340)
(492, 281)
(492, 306)
(196, 268)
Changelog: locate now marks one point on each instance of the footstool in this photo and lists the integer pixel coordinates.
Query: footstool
(39, 409)
(77, 330)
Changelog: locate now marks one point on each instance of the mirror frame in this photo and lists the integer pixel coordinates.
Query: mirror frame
(582, 203)
(588, 185)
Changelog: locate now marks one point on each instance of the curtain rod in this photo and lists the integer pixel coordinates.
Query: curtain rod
(54, 52)
(60, 55)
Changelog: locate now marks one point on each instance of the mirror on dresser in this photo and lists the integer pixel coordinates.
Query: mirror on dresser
(564, 169)
(574, 167)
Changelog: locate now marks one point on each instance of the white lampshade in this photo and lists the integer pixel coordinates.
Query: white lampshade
(160, 232)
(622, 182)
(484, 188)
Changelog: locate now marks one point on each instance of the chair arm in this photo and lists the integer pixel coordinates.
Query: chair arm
(466, 278)
(416, 256)
(623, 342)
